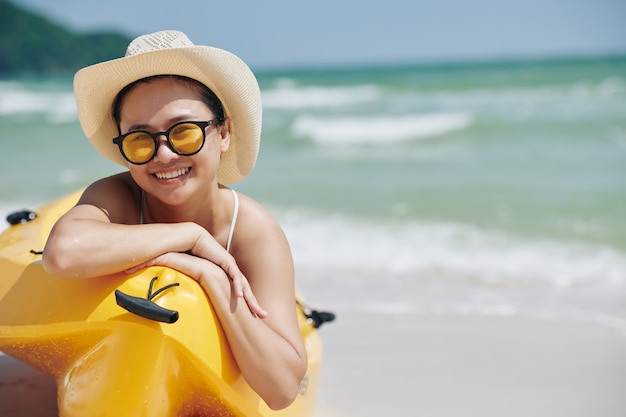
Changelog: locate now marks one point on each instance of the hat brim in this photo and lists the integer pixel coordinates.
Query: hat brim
(96, 87)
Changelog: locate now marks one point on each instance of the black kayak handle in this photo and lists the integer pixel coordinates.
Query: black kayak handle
(145, 307)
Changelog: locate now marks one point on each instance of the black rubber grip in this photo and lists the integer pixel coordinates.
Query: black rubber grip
(145, 308)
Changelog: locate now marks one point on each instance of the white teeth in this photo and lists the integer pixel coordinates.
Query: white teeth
(171, 174)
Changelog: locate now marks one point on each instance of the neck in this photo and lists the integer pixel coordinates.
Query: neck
(209, 210)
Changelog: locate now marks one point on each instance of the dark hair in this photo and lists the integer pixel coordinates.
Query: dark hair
(206, 95)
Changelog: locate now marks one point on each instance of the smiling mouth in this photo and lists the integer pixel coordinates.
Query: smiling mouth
(171, 174)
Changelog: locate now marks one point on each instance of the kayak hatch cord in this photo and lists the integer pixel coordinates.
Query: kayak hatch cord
(151, 295)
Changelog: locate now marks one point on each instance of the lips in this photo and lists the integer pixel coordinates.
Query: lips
(170, 175)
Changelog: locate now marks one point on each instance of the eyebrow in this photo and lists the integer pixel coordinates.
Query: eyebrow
(171, 122)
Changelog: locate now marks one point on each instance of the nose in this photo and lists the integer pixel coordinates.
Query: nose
(164, 153)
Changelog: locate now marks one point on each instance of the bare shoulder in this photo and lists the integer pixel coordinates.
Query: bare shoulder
(263, 254)
(256, 223)
(116, 197)
(259, 243)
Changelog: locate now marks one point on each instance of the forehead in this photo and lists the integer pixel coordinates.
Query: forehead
(148, 103)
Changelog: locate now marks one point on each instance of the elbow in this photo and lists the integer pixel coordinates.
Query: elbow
(53, 265)
(56, 262)
(281, 404)
(279, 399)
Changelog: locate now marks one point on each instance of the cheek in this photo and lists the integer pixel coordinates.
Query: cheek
(138, 174)
(216, 145)
(209, 156)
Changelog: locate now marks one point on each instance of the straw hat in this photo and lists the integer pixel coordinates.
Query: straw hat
(165, 53)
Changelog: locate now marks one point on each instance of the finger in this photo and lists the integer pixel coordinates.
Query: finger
(253, 304)
(229, 266)
(133, 269)
(237, 282)
(136, 268)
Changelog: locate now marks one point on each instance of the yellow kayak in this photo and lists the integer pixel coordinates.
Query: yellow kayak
(145, 344)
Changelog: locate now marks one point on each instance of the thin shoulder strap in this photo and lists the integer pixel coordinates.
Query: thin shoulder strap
(141, 207)
(234, 221)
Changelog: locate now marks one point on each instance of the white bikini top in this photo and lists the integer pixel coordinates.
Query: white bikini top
(232, 222)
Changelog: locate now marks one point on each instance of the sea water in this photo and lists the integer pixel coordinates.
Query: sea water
(494, 188)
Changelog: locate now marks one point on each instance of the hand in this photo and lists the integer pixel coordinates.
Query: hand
(196, 268)
(208, 248)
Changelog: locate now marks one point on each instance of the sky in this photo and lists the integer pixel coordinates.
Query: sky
(292, 33)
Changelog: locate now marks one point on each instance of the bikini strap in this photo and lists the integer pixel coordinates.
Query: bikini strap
(141, 207)
(234, 221)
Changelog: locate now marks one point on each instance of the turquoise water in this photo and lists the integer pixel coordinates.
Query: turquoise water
(498, 176)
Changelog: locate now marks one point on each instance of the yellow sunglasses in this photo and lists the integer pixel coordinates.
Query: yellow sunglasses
(185, 138)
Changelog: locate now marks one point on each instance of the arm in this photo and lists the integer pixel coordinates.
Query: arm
(269, 352)
(99, 236)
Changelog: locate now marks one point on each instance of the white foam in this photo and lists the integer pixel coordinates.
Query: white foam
(563, 101)
(454, 251)
(57, 106)
(378, 130)
(287, 96)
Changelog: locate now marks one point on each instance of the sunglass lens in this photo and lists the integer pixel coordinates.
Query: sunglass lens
(187, 138)
(138, 147)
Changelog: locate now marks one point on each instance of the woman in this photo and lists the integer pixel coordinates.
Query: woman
(186, 121)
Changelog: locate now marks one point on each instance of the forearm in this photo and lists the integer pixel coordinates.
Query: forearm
(85, 248)
(271, 364)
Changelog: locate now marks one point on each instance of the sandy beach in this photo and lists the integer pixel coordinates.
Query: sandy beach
(435, 365)
(24, 391)
(452, 365)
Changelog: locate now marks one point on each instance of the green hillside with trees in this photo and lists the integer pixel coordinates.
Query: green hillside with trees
(32, 44)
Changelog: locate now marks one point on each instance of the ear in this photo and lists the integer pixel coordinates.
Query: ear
(224, 132)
